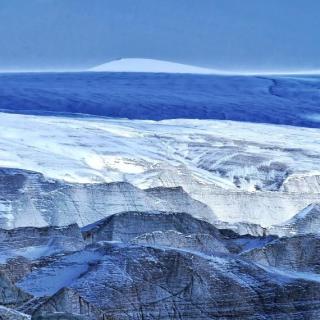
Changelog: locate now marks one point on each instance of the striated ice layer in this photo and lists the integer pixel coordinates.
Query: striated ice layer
(255, 173)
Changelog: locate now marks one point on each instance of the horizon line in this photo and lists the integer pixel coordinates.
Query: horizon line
(193, 69)
(218, 73)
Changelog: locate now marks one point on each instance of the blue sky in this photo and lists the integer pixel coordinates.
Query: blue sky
(225, 34)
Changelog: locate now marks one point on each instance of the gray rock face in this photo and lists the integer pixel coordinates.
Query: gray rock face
(59, 316)
(25, 249)
(238, 244)
(176, 230)
(132, 282)
(10, 295)
(202, 243)
(263, 207)
(18, 267)
(32, 200)
(182, 200)
(242, 228)
(128, 225)
(298, 253)
(146, 265)
(10, 314)
(305, 221)
(33, 243)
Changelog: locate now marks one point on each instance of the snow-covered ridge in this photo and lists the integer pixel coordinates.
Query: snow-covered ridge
(151, 65)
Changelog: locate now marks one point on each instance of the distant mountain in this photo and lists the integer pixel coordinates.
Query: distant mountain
(151, 65)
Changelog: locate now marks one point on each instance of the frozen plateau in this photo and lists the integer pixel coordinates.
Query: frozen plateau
(143, 195)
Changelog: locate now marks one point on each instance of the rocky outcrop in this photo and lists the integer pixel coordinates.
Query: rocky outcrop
(297, 253)
(265, 208)
(60, 316)
(238, 244)
(33, 243)
(126, 226)
(146, 265)
(32, 200)
(74, 307)
(146, 283)
(305, 221)
(25, 249)
(10, 314)
(177, 230)
(182, 199)
(18, 267)
(10, 295)
(202, 243)
(242, 228)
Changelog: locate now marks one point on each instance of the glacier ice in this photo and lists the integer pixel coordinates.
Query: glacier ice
(240, 171)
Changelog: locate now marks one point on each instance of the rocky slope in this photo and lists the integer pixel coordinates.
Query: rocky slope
(17, 246)
(10, 314)
(202, 243)
(242, 228)
(29, 248)
(126, 226)
(10, 295)
(166, 265)
(144, 282)
(29, 199)
(297, 253)
(304, 222)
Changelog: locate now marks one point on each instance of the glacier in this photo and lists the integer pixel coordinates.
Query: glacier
(241, 171)
(277, 99)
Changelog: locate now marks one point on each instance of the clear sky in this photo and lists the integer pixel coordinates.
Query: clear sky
(225, 34)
